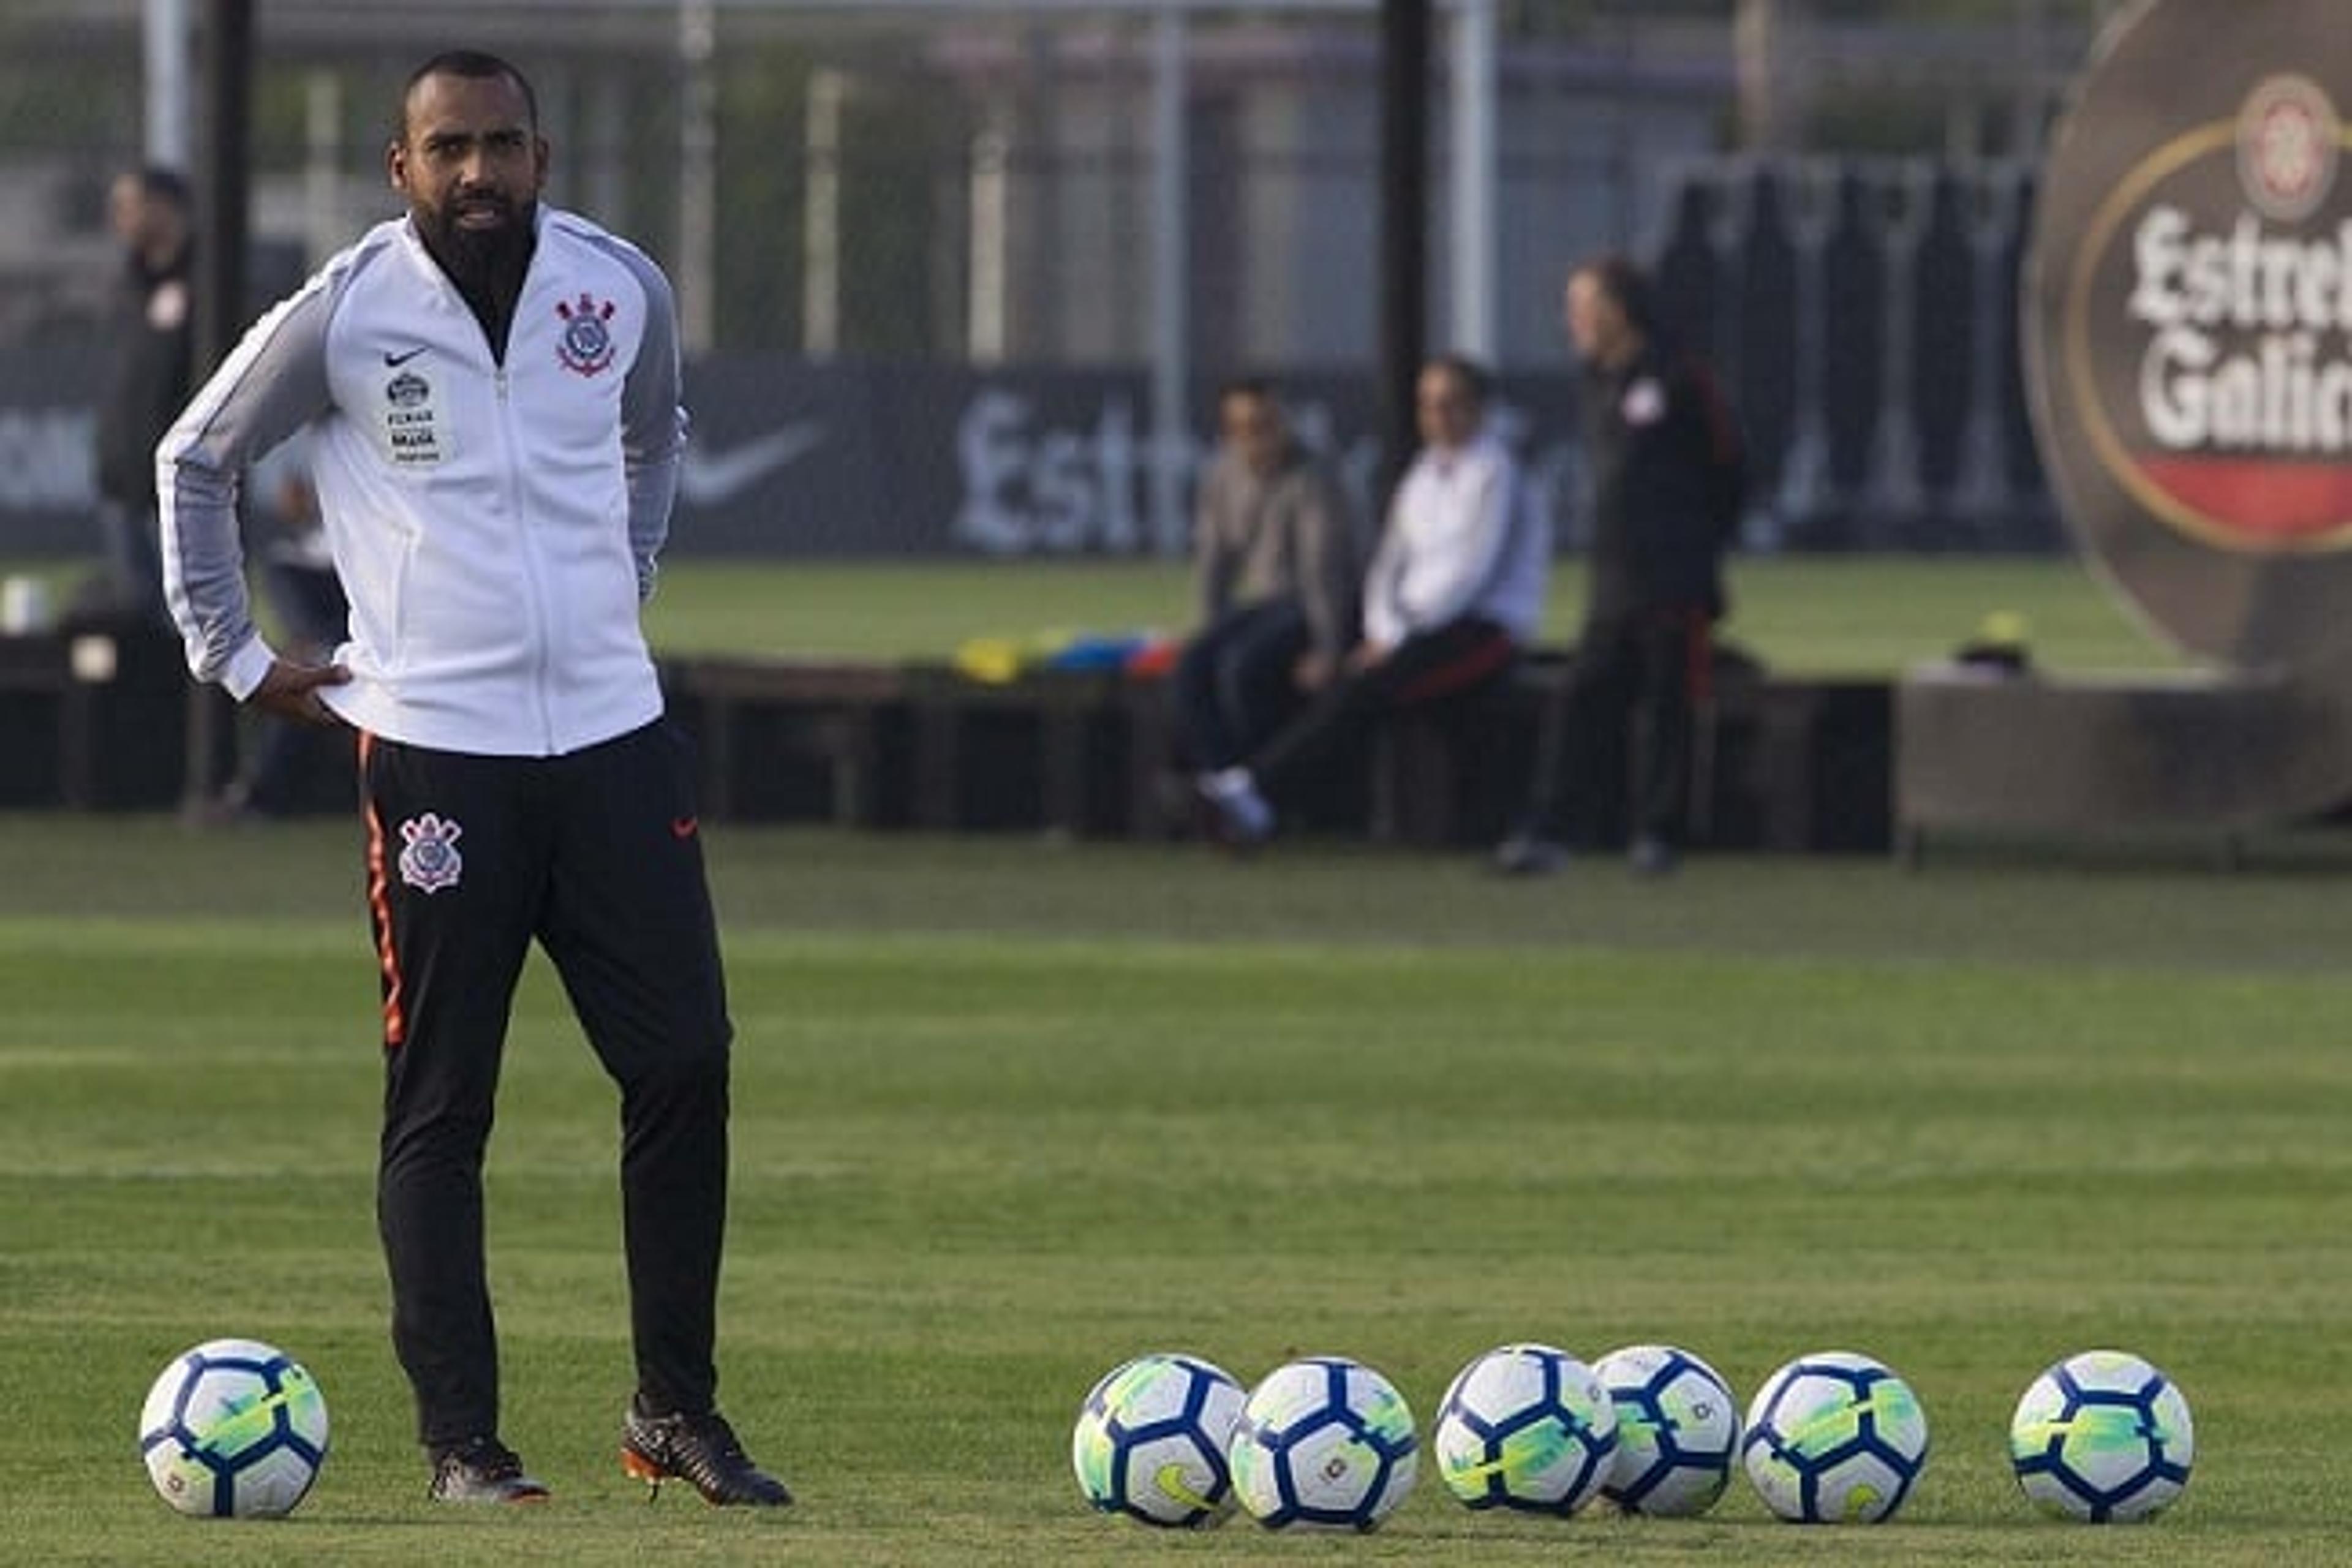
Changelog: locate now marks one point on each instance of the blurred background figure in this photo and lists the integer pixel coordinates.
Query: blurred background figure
(306, 599)
(1277, 568)
(1667, 481)
(150, 348)
(1455, 589)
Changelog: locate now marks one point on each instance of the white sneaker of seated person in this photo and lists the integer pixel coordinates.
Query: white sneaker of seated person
(1242, 815)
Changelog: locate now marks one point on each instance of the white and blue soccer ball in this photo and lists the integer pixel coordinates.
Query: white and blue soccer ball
(1834, 1438)
(1324, 1441)
(234, 1429)
(2102, 1436)
(1525, 1426)
(1677, 1431)
(1150, 1440)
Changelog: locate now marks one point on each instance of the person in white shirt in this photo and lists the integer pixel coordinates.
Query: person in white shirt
(1455, 590)
(490, 388)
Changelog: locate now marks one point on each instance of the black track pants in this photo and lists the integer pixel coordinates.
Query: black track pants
(1426, 666)
(598, 856)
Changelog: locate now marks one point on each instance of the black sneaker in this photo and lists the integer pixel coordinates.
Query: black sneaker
(482, 1469)
(701, 1451)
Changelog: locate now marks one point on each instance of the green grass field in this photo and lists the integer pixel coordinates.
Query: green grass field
(1009, 1112)
(1849, 616)
(1834, 615)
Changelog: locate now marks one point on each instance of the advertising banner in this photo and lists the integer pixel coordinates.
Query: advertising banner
(790, 457)
(2187, 323)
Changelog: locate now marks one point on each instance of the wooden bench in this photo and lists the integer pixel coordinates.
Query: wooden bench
(759, 721)
(92, 718)
(1786, 766)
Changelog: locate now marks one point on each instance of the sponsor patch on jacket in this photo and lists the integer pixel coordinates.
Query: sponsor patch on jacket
(586, 344)
(412, 421)
(429, 860)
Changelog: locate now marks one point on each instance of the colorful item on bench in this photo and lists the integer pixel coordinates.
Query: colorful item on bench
(997, 661)
(1154, 659)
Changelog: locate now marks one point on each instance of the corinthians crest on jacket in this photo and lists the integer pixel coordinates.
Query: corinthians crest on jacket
(586, 345)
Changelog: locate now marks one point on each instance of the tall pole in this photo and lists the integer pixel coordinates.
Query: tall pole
(1172, 282)
(698, 177)
(828, 89)
(225, 69)
(1473, 106)
(1404, 213)
(1770, 38)
(164, 45)
(225, 62)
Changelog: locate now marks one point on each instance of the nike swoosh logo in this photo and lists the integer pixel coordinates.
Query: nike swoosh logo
(236, 1428)
(1170, 1479)
(392, 360)
(1480, 1470)
(714, 479)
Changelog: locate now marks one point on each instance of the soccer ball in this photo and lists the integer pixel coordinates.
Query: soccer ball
(1677, 1430)
(1834, 1438)
(234, 1428)
(1323, 1442)
(2102, 1436)
(1150, 1441)
(1525, 1426)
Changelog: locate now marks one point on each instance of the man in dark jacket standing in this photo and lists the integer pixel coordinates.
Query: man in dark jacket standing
(149, 372)
(1664, 455)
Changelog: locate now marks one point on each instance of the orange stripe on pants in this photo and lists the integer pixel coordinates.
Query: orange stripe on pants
(379, 897)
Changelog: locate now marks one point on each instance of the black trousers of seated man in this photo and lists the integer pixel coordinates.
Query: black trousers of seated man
(1635, 682)
(1445, 661)
(596, 854)
(1232, 685)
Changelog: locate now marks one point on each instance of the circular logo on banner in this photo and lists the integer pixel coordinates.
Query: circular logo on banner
(2189, 325)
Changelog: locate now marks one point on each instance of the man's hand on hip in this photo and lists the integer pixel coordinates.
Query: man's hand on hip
(291, 691)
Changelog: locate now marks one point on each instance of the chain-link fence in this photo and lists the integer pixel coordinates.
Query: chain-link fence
(948, 181)
(902, 190)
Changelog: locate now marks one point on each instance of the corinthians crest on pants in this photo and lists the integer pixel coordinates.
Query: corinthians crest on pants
(429, 860)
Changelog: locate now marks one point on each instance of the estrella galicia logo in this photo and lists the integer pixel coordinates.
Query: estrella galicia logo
(429, 860)
(2235, 426)
(586, 345)
(406, 390)
(2190, 331)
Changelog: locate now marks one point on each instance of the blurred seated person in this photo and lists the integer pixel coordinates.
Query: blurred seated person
(1276, 563)
(1455, 589)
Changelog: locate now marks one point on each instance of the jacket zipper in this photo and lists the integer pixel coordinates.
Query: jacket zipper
(534, 573)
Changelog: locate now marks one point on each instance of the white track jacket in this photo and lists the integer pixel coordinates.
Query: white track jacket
(495, 526)
(1465, 536)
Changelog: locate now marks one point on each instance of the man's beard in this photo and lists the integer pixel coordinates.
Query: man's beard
(480, 258)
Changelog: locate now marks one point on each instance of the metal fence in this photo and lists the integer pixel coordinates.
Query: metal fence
(866, 192)
(948, 181)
